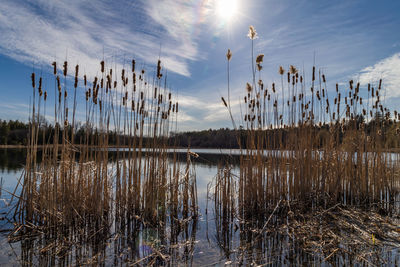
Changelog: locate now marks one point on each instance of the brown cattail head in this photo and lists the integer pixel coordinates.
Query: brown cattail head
(33, 79)
(229, 55)
(292, 69)
(249, 88)
(259, 58)
(323, 78)
(45, 95)
(133, 65)
(65, 68)
(84, 79)
(102, 65)
(40, 84)
(159, 74)
(58, 84)
(223, 100)
(54, 64)
(76, 76)
(313, 73)
(380, 84)
(281, 70)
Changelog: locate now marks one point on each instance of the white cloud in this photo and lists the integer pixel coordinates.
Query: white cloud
(388, 70)
(43, 31)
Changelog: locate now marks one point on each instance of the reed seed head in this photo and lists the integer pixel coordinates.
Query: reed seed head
(281, 70)
(252, 33)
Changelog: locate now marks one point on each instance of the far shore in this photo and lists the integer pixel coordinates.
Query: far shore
(390, 150)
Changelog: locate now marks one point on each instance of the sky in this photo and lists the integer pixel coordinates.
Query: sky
(346, 39)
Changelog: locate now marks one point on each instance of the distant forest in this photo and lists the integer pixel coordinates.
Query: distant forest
(16, 133)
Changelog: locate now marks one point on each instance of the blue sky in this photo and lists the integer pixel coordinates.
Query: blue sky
(357, 40)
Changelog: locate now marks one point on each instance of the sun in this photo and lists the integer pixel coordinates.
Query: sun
(226, 9)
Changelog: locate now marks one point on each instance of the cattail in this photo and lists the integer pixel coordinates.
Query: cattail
(176, 109)
(58, 83)
(141, 95)
(301, 79)
(288, 77)
(65, 94)
(313, 73)
(65, 68)
(76, 76)
(323, 78)
(229, 55)
(115, 84)
(223, 100)
(159, 75)
(281, 70)
(337, 87)
(54, 68)
(33, 79)
(84, 79)
(380, 84)
(259, 58)
(351, 84)
(133, 65)
(292, 69)
(248, 87)
(273, 87)
(252, 33)
(40, 84)
(102, 66)
(45, 95)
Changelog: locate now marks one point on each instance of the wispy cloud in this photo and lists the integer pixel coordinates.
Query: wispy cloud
(388, 70)
(41, 31)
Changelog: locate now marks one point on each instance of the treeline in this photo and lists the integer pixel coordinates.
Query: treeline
(17, 133)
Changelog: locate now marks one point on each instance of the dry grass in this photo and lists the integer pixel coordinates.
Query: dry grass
(303, 152)
(76, 196)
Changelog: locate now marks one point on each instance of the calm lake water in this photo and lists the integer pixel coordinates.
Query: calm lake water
(201, 243)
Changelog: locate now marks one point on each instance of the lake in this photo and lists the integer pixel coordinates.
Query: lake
(203, 241)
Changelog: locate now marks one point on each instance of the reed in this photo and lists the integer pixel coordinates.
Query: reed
(77, 192)
(307, 147)
(304, 153)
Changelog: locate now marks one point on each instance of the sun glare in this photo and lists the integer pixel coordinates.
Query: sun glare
(226, 9)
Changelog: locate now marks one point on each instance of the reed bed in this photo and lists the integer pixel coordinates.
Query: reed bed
(75, 191)
(304, 151)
